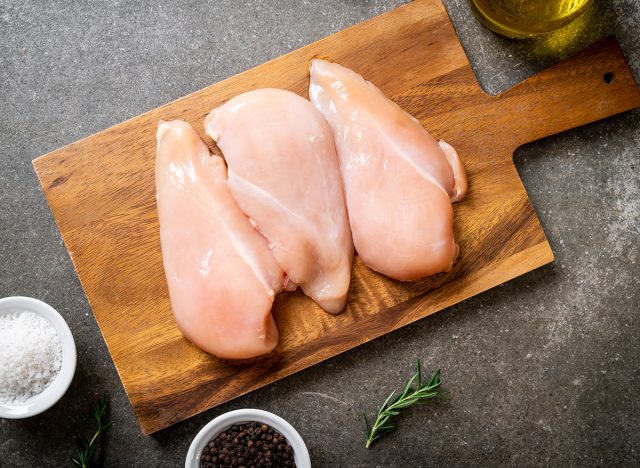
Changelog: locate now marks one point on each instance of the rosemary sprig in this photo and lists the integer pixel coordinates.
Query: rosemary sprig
(420, 393)
(89, 454)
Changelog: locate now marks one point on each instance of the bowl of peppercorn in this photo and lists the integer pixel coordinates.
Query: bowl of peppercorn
(248, 438)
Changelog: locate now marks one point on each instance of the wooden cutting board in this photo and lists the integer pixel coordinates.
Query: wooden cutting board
(101, 193)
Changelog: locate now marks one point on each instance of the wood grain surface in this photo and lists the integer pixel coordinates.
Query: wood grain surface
(101, 193)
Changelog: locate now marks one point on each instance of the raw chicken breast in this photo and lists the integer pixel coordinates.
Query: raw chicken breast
(284, 174)
(399, 182)
(221, 273)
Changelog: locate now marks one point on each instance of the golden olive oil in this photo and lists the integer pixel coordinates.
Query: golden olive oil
(524, 18)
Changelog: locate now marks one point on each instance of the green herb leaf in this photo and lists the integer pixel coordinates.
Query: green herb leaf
(409, 396)
(386, 402)
(89, 454)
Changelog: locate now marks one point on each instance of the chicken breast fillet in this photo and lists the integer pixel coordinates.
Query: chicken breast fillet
(221, 274)
(284, 174)
(399, 181)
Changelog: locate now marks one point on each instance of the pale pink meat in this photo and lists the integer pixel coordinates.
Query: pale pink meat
(284, 174)
(399, 182)
(221, 274)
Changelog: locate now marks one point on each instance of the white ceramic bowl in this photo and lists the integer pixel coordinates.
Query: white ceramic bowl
(60, 384)
(226, 420)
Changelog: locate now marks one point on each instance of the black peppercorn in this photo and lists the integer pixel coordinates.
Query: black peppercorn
(249, 445)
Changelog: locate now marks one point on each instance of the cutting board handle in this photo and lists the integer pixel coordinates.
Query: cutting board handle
(590, 86)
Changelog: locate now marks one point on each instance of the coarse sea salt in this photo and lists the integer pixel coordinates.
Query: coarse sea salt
(30, 355)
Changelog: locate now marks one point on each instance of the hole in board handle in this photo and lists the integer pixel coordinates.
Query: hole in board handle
(607, 77)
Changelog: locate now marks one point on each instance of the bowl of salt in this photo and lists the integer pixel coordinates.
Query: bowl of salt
(37, 357)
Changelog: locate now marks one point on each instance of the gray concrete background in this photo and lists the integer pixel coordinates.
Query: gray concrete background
(542, 371)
